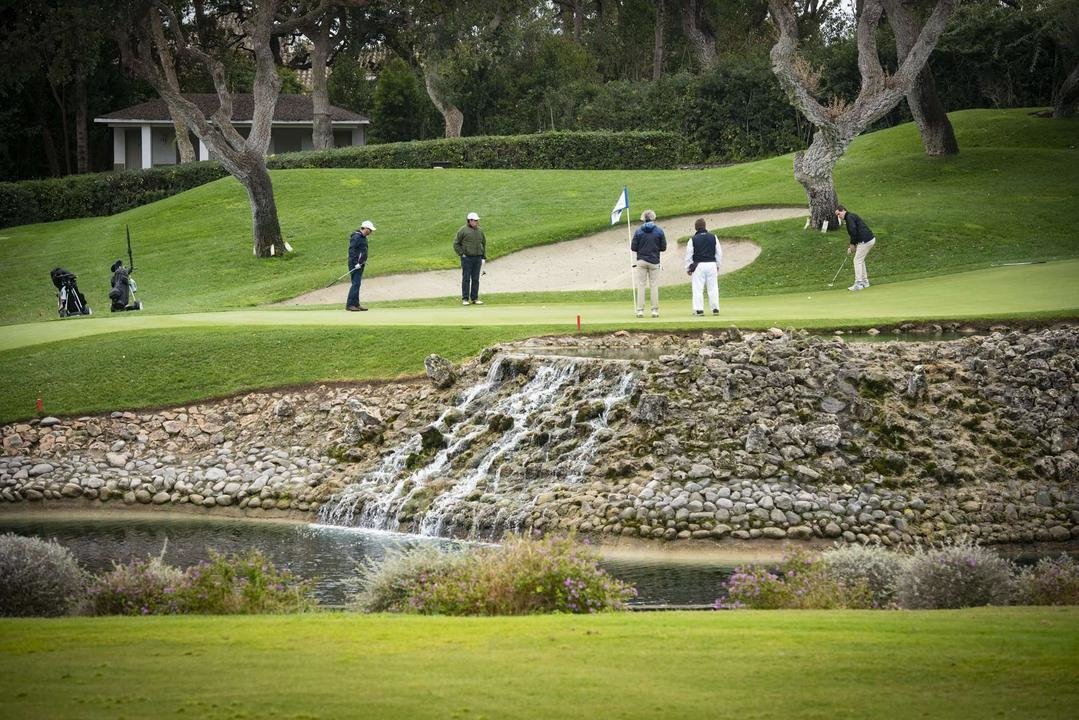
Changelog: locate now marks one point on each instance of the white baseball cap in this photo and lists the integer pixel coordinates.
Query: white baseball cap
(368, 224)
(472, 216)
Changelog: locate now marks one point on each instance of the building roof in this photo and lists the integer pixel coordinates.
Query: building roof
(290, 108)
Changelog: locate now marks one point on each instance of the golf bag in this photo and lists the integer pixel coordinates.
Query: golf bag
(123, 287)
(69, 301)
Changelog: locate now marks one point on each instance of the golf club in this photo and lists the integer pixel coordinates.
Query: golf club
(344, 276)
(841, 264)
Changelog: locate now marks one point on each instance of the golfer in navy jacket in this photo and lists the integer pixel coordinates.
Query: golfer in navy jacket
(703, 255)
(648, 242)
(357, 260)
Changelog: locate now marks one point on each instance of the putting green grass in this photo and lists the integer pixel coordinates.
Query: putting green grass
(1009, 195)
(98, 364)
(999, 662)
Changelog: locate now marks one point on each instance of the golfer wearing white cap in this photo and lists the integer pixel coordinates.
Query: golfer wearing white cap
(357, 260)
(471, 246)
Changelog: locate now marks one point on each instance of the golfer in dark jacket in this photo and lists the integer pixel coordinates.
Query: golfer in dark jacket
(703, 255)
(471, 246)
(648, 242)
(861, 242)
(357, 259)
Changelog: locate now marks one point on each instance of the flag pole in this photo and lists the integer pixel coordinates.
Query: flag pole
(632, 275)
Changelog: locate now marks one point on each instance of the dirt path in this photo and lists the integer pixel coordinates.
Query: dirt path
(595, 262)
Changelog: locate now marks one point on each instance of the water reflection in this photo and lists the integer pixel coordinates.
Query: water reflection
(331, 555)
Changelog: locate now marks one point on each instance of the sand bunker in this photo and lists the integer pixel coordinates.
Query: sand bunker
(595, 262)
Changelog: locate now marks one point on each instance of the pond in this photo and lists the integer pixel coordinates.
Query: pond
(330, 554)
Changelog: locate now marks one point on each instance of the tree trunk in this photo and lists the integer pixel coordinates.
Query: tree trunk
(183, 140)
(82, 145)
(657, 55)
(322, 135)
(264, 223)
(938, 136)
(1068, 95)
(453, 117)
(813, 168)
(700, 37)
(47, 140)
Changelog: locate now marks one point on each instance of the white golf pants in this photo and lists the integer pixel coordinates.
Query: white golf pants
(860, 252)
(647, 272)
(706, 275)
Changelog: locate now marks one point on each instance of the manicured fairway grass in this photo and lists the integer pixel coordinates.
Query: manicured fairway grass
(1009, 195)
(99, 364)
(1001, 662)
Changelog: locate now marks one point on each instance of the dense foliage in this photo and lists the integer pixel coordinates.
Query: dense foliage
(529, 67)
(244, 583)
(956, 575)
(38, 578)
(1051, 581)
(521, 577)
(34, 201)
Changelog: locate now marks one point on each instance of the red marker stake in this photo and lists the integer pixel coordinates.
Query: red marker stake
(40, 406)
(578, 330)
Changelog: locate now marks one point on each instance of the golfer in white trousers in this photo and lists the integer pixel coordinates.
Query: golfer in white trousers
(703, 255)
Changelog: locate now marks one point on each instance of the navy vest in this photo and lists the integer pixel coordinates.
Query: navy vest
(704, 247)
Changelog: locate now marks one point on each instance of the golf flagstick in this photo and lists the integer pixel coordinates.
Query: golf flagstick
(632, 276)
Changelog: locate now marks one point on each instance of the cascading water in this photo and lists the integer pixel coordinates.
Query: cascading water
(519, 406)
(481, 447)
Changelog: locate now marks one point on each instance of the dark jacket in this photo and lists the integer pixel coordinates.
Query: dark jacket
(704, 247)
(648, 242)
(470, 242)
(858, 230)
(357, 249)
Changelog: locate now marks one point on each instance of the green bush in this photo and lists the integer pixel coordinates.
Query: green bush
(146, 587)
(520, 577)
(38, 578)
(551, 150)
(244, 583)
(876, 567)
(1052, 581)
(802, 581)
(955, 576)
(76, 196)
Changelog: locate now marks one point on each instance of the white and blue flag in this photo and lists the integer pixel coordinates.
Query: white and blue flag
(622, 204)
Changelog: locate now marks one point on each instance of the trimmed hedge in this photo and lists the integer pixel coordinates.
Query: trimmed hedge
(76, 196)
(543, 151)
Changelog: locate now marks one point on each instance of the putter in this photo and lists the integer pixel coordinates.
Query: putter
(841, 264)
(345, 275)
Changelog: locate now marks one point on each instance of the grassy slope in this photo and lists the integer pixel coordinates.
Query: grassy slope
(1009, 195)
(1002, 662)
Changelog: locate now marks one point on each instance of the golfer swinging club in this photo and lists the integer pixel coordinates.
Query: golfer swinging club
(357, 260)
(861, 242)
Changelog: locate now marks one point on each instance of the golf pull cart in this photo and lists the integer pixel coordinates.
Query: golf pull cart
(69, 301)
(123, 287)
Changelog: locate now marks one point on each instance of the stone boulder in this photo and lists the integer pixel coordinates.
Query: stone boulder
(440, 370)
(652, 408)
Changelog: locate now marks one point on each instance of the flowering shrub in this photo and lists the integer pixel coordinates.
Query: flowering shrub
(876, 567)
(517, 578)
(142, 587)
(955, 576)
(38, 578)
(802, 581)
(243, 583)
(1052, 581)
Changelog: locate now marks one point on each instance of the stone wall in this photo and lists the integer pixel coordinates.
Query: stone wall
(770, 435)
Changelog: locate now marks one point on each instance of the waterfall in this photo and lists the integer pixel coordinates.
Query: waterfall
(485, 448)
(520, 406)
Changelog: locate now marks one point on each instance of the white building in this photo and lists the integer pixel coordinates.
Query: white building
(143, 135)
